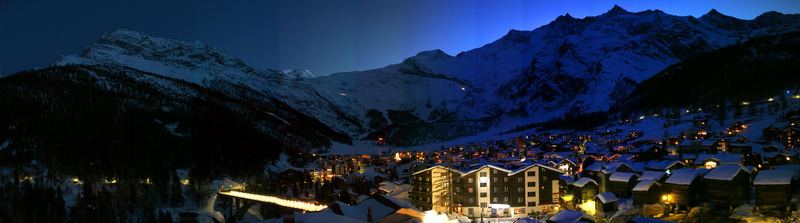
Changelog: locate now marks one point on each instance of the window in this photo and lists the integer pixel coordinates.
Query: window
(531, 174)
(458, 189)
(532, 194)
(505, 189)
(494, 199)
(505, 199)
(520, 190)
(710, 164)
(520, 200)
(494, 171)
(483, 204)
(531, 184)
(471, 200)
(483, 174)
(531, 204)
(483, 184)
(505, 179)
(483, 194)
(520, 179)
(442, 175)
(469, 190)
(494, 179)
(494, 190)
(470, 180)
(470, 212)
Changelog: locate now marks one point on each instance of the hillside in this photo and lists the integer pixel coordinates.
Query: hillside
(749, 72)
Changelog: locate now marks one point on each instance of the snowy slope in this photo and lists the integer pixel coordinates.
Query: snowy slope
(568, 66)
(200, 64)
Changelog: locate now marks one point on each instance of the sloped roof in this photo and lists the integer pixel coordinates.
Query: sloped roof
(774, 177)
(583, 181)
(724, 172)
(607, 197)
(621, 177)
(684, 176)
(645, 185)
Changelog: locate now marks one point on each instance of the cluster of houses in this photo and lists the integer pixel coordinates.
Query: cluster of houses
(594, 172)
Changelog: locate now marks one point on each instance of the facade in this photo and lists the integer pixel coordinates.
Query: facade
(487, 190)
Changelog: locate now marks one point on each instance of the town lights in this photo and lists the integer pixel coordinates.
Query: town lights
(185, 181)
(75, 180)
(666, 198)
(306, 206)
(588, 207)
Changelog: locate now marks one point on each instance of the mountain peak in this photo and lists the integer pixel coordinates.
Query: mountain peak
(616, 10)
(565, 18)
(433, 54)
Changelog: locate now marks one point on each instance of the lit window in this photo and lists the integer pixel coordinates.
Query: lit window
(711, 164)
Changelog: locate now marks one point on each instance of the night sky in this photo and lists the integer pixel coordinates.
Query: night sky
(324, 36)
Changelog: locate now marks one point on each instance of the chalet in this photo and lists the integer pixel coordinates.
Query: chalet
(682, 188)
(774, 187)
(664, 165)
(740, 148)
(605, 204)
(710, 161)
(727, 185)
(621, 183)
(647, 191)
(696, 146)
(649, 152)
(658, 176)
(584, 189)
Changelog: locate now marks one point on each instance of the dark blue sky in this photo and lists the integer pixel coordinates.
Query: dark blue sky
(324, 36)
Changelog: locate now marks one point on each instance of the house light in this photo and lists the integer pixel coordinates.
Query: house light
(770, 99)
(342, 94)
(463, 88)
(641, 117)
(788, 158)
(745, 103)
(75, 180)
(185, 181)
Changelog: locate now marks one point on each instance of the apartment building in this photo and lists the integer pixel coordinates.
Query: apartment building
(487, 190)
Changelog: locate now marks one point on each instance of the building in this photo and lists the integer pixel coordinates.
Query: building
(682, 188)
(647, 191)
(488, 190)
(727, 185)
(774, 187)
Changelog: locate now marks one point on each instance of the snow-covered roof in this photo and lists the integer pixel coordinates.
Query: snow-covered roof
(724, 172)
(621, 177)
(652, 175)
(596, 166)
(774, 177)
(607, 197)
(722, 158)
(566, 216)
(583, 181)
(662, 164)
(645, 185)
(684, 176)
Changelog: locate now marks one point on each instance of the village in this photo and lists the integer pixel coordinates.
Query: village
(699, 174)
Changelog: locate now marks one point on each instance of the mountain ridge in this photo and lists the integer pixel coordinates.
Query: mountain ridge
(568, 65)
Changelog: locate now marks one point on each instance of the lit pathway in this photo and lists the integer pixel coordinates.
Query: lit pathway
(301, 205)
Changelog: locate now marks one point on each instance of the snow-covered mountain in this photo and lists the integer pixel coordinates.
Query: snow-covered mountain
(569, 66)
(200, 64)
